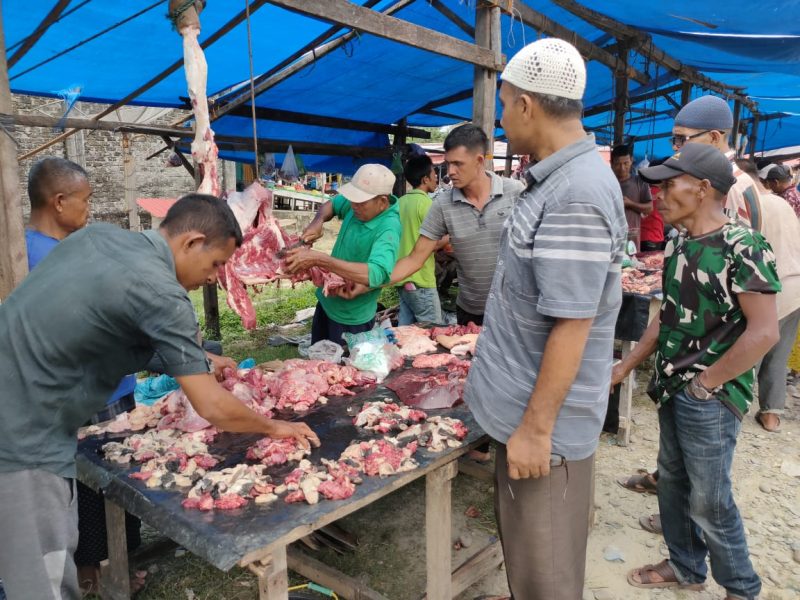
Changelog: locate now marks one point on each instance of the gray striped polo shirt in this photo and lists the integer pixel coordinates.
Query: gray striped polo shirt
(560, 258)
(474, 235)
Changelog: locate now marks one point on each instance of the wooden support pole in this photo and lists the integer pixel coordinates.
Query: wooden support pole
(686, 93)
(438, 531)
(13, 255)
(273, 581)
(399, 146)
(115, 583)
(129, 174)
(509, 164)
(601, 108)
(620, 95)
(487, 35)
(458, 21)
(754, 134)
(737, 114)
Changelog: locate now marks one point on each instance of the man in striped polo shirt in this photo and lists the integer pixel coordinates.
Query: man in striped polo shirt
(539, 382)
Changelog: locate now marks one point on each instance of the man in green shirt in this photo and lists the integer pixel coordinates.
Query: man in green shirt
(717, 320)
(365, 251)
(100, 305)
(419, 298)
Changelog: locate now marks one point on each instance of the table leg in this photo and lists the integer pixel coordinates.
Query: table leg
(273, 580)
(115, 581)
(625, 399)
(438, 531)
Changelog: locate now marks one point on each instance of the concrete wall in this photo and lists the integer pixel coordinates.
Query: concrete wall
(100, 152)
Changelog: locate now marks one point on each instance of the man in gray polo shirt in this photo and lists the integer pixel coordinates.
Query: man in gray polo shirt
(539, 382)
(99, 306)
(472, 213)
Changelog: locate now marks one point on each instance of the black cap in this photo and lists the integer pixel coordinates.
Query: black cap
(698, 160)
(779, 173)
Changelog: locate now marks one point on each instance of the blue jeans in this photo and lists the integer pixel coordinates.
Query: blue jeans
(698, 514)
(419, 306)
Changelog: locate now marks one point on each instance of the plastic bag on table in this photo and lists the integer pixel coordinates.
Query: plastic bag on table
(370, 352)
(326, 350)
(289, 170)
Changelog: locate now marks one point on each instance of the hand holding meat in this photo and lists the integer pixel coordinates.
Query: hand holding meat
(220, 363)
(351, 289)
(528, 454)
(300, 431)
(302, 259)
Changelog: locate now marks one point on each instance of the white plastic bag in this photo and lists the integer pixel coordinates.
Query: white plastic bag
(326, 350)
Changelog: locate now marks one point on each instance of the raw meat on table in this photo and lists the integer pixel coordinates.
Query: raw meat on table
(434, 361)
(413, 340)
(436, 434)
(381, 457)
(458, 330)
(276, 452)
(430, 390)
(231, 488)
(384, 417)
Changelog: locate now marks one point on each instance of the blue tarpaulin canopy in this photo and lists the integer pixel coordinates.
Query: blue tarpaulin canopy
(107, 49)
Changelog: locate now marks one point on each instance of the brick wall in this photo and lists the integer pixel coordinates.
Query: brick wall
(102, 158)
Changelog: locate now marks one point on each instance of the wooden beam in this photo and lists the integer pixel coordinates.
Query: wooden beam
(620, 96)
(601, 108)
(13, 254)
(438, 531)
(487, 35)
(318, 572)
(288, 116)
(280, 146)
(154, 80)
(737, 113)
(587, 49)
(643, 44)
(184, 161)
(398, 145)
(129, 183)
(478, 566)
(37, 33)
(115, 581)
(93, 124)
(686, 92)
(455, 97)
(754, 134)
(391, 28)
(444, 115)
(447, 12)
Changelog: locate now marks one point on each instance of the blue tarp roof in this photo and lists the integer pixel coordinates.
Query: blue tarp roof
(379, 80)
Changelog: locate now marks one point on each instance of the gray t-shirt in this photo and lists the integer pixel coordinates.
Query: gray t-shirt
(474, 235)
(98, 307)
(560, 258)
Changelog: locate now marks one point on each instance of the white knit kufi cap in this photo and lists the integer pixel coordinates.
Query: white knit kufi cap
(548, 66)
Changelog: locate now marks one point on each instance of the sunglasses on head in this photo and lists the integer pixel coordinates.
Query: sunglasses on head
(680, 140)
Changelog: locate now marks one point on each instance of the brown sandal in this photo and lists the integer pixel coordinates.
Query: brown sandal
(642, 483)
(651, 524)
(667, 574)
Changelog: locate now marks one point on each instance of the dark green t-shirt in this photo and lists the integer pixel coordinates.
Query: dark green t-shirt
(98, 307)
(700, 316)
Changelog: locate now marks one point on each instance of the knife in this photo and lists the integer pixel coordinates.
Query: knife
(298, 244)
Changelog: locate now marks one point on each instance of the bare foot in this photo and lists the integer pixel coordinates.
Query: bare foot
(481, 457)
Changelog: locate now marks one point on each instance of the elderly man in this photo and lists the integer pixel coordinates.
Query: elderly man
(539, 381)
(635, 192)
(101, 304)
(365, 251)
(708, 120)
(717, 320)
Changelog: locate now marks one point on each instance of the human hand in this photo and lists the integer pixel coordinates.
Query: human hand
(301, 259)
(618, 373)
(312, 233)
(219, 364)
(351, 289)
(528, 454)
(300, 431)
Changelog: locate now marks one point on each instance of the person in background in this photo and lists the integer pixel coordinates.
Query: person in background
(652, 228)
(717, 320)
(779, 180)
(419, 298)
(709, 120)
(781, 229)
(635, 192)
(539, 382)
(364, 253)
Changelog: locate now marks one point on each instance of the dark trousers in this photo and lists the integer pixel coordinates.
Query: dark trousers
(325, 328)
(464, 318)
(544, 525)
(92, 534)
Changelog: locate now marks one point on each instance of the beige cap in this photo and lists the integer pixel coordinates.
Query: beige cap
(548, 66)
(369, 181)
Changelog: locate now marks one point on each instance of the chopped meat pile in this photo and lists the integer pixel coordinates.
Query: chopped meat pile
(653, 261)
(276, 452)
(436, 433)
(413, 340)
(381, 457)
(307, 483)
(455, 330)
(168, 458)
(384, 417)
(141, 417)
(637, 282)
(231, 488)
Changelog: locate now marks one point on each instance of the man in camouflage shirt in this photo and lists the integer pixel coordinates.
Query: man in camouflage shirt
(717, 320)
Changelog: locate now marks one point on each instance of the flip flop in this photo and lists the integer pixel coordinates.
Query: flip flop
(641, 483)
(760, 421)
(666, 573)
(652, 524)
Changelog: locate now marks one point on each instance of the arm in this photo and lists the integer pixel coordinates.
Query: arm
(412, 263)
(222, 409)
(644, 348)
(220, 363)
(442, 243)
(759, 336)
(529, 446)
(313, 230)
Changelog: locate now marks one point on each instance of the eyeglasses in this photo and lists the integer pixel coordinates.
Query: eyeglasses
(679, 140)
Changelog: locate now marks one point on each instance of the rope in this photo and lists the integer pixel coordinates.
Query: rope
(252, 88)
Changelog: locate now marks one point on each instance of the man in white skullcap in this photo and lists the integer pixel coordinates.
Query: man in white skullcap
(539, 383)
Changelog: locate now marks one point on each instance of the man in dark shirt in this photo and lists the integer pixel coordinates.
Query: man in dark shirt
(99, 306)
(635, 192)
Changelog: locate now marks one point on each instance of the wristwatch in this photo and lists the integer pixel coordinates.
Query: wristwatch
(697, 390)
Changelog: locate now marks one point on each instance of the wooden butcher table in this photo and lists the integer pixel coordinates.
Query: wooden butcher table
(259, 537)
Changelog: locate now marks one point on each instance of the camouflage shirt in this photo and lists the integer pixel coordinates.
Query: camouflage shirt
(700, 315)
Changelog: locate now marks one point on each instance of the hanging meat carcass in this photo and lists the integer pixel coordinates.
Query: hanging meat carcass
(204, 150)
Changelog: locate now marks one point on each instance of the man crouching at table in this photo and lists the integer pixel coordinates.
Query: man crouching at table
(99, 306)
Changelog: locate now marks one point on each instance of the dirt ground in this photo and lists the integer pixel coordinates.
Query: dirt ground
(391, 555)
